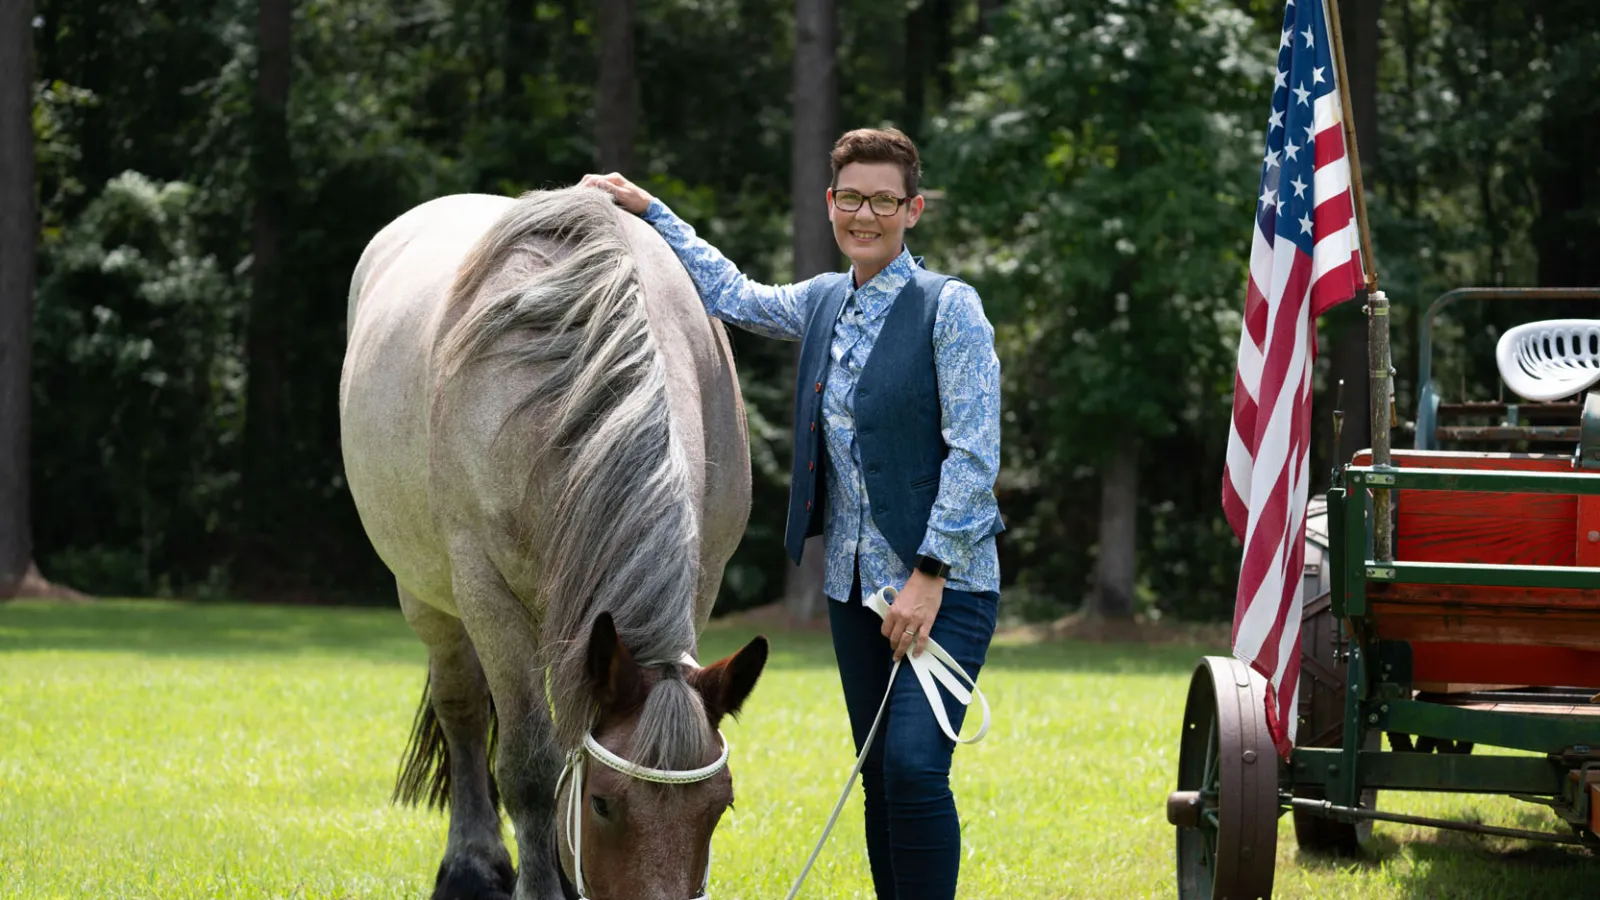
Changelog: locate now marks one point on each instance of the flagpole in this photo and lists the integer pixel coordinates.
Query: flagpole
(1330, 10)
(1378, 354)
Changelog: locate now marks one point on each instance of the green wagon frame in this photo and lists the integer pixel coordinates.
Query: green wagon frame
(1452, 602)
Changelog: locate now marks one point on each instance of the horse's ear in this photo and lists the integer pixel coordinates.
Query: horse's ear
(614, 677)
(726, 683)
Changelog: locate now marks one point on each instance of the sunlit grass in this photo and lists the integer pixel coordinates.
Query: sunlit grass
(164, 750)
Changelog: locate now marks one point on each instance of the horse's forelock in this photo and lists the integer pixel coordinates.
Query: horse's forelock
(673, 731)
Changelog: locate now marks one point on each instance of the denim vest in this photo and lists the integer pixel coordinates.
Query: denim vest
(896, 411)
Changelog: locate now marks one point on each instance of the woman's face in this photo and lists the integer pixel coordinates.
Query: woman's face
(869, 239)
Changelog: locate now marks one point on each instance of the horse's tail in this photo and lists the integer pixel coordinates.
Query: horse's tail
(425, 767)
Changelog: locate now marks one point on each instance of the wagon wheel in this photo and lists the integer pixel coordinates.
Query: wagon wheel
(1322, 687)
(1226, 805)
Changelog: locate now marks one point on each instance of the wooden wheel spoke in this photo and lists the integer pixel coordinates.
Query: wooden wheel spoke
(1209, 781)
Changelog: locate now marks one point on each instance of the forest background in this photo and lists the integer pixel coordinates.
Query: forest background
(205, 174)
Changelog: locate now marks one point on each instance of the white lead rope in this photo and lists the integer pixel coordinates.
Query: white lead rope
(933, 665)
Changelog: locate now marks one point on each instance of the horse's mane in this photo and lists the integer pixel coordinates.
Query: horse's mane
(610, 522)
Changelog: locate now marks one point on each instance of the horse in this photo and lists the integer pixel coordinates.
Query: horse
(545, 440)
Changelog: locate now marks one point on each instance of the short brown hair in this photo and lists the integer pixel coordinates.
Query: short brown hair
(878, 145)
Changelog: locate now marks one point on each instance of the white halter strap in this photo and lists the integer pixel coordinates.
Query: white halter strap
(572, 824)
(659, 776)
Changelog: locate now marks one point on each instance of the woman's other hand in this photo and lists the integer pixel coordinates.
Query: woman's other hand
(628, 195)
(912, 613)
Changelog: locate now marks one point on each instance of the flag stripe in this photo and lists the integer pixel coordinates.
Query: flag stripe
(1304, 258)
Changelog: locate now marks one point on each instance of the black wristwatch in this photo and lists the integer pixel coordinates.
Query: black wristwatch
(928, 565)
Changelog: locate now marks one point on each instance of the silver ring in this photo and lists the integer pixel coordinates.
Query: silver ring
(912, 633)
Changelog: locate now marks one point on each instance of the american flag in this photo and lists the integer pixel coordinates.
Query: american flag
(1305, 258)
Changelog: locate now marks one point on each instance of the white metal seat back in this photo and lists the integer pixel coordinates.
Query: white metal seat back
(1549, 360)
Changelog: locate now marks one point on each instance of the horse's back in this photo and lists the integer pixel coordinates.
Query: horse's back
(396, 315)
(413, 480)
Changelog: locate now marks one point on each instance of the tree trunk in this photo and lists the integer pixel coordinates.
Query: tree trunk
(518, 50)
(18, 230)
(1347, 324)
(614, 112)
(914, 91)
(987, 11)
(270, 174)
(1568, 175)
(942, 40)
(816, 103)
(1119, 533)
(1358, 20)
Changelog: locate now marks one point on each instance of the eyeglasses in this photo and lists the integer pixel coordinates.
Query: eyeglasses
(882, 204)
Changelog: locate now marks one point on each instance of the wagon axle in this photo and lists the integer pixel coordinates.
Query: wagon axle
(1328, 810)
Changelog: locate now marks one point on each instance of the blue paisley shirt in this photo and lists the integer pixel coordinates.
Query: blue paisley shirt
(969, 398)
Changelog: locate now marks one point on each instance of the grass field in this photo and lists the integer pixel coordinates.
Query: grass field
(161, 750)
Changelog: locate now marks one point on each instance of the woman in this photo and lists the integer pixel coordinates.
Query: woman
(898, 405)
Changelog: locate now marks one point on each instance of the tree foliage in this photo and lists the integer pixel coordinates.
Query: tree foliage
(1100, 167)
(1096, 165)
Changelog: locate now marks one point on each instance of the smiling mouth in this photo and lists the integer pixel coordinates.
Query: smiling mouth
(864, 235)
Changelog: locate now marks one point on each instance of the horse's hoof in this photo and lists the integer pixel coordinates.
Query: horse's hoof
(474, 879)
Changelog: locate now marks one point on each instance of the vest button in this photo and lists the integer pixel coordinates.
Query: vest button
(811, 466)
(808, 506)
(819, 387)
(813, 426)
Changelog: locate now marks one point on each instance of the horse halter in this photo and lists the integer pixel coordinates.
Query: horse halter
(573, 821)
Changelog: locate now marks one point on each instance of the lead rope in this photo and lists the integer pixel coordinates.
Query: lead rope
(934, 663)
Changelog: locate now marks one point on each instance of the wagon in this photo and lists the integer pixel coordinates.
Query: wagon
(1467, 618)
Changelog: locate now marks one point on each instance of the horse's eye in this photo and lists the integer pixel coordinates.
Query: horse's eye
(602, 806)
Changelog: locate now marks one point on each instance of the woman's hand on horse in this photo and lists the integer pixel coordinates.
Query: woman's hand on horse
(912, 613)
(628, 195)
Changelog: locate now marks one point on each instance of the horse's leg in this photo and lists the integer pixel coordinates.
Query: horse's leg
(476, 865)
(527, 763)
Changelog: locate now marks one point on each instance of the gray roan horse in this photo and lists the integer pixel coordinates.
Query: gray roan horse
(545, 439)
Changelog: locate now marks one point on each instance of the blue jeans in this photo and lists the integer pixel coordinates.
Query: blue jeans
(913, 833)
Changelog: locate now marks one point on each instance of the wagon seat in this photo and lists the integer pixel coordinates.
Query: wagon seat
(1476, 637)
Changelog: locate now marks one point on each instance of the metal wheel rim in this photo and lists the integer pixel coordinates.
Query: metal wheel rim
(1227, 756)
(1197, 847)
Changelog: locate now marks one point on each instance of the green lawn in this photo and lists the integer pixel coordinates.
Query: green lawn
(165, 750)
